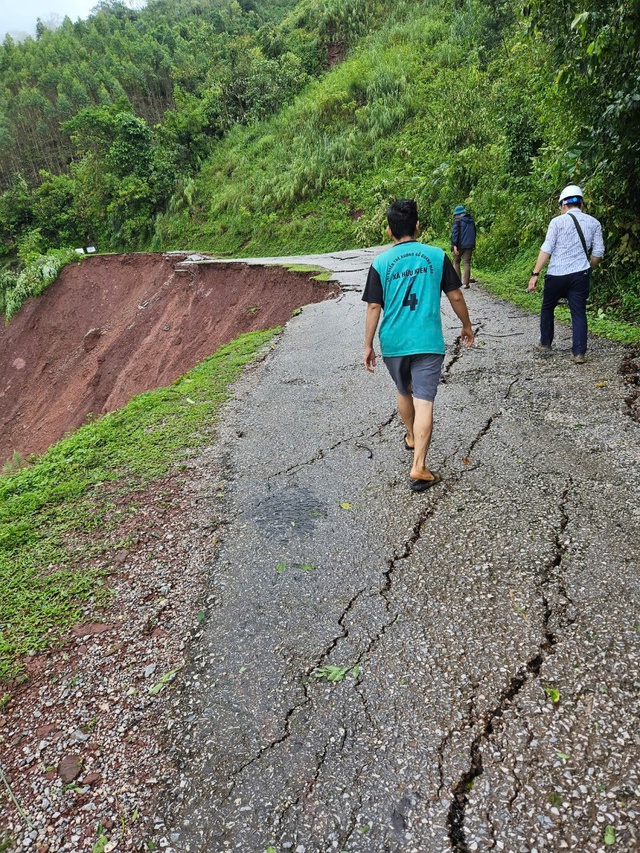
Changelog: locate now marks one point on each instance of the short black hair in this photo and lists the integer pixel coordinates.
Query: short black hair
(402, 217)
(572, 201)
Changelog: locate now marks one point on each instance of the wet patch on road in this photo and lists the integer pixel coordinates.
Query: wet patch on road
(288, 512)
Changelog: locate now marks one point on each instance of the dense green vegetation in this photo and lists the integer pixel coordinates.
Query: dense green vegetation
(61, 512)
(37, 273)
(271, 127)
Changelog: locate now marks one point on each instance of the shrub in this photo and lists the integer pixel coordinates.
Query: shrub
(33, 280)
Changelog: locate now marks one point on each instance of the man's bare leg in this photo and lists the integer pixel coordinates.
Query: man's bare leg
(422, 428)
(407, 413)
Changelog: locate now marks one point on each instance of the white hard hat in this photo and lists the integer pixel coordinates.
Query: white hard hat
(572, 191)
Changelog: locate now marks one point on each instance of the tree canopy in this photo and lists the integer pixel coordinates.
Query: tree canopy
(276, 125)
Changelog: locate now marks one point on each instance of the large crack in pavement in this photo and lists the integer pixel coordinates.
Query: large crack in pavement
(317, 665)
(458, 349)
(531, 670)
(324, 451)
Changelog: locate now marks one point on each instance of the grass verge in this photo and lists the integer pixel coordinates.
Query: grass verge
(322, 274)
(65, 497)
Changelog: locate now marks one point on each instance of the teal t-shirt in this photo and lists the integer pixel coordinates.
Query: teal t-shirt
(411, 278)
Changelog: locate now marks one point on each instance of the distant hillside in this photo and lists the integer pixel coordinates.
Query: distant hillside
(143, 60)
(449, 103)
(262, 128)
(99, 118)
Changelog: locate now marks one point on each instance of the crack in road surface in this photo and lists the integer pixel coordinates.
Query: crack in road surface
(308, 788)
(410, 544)
(345, 633)
(307, 697)
(458, 349)
(531, 670)
(324, 451)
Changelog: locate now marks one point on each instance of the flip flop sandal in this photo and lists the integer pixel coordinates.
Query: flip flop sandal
(406, 446)
(423, 485)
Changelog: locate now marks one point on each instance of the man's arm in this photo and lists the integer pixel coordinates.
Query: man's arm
(455, 237)
(458, 304)
(543, 257)
(597, 247)
(370, 326)
(546, 250)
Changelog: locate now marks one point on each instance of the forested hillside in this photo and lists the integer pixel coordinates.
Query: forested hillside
(273, 127)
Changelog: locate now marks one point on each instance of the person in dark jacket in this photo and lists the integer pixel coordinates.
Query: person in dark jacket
(463, 242)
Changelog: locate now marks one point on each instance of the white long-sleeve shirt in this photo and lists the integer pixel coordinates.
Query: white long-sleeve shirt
(564, 245)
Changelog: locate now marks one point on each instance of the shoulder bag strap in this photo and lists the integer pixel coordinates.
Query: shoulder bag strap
(580, 234)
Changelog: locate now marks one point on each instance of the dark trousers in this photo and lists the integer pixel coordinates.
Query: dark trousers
(575, 289)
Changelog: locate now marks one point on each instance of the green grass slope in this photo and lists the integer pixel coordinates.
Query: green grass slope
(419, 108)
(313, 177)
(443, 103)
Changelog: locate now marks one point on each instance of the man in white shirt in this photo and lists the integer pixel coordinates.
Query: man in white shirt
(574, 244)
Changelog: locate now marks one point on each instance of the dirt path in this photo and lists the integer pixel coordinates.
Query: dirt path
(487, 631)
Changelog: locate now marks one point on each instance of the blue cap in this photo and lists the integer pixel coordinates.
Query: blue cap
(459, 209)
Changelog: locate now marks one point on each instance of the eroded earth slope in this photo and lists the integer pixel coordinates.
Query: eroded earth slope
(113, 326)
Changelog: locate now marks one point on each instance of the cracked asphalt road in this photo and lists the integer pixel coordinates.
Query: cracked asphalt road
(490, 625)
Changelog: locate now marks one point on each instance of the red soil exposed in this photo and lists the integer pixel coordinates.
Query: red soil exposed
(113, 326)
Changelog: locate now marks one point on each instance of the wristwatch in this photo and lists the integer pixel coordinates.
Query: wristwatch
(535, 274)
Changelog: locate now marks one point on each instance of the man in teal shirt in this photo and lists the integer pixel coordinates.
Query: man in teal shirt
(404, 286)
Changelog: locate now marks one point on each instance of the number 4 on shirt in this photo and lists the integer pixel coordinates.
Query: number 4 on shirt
(410, 299)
